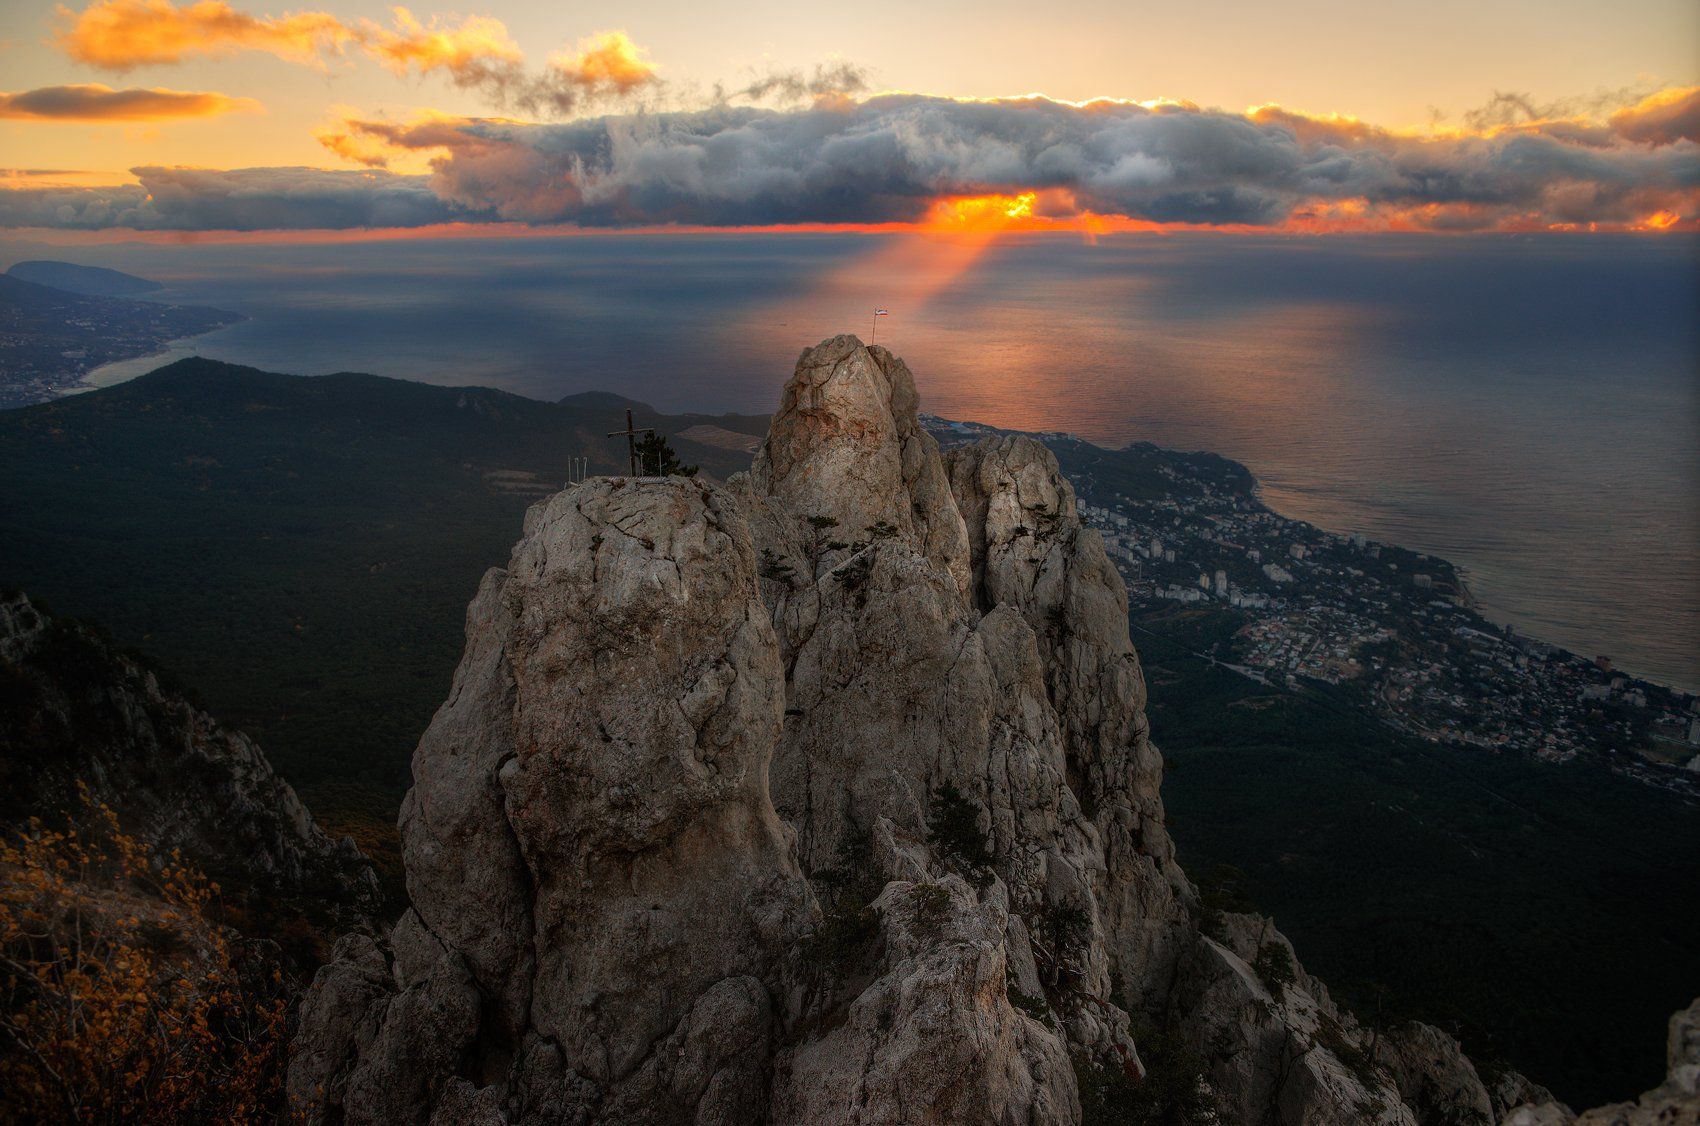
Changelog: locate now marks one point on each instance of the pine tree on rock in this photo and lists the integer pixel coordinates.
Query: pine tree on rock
(657, 458)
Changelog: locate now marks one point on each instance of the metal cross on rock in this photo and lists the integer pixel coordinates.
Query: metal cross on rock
(630, 434)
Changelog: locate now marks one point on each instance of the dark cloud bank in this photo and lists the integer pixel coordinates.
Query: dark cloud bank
(245, 199)
(889, 158)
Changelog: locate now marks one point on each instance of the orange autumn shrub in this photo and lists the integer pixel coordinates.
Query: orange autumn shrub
(120, 1000)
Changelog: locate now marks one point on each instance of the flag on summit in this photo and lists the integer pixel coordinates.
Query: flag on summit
(881, 313)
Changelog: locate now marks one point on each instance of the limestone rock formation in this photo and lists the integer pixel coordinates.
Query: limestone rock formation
(1434, 1077)
(600, 885)
(823, 796)
(1675, 1102)
(79, 713)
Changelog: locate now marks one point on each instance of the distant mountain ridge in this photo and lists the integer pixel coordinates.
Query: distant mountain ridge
(91, 281)
(324, 511)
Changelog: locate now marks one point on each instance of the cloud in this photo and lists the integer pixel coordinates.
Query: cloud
(248, 199)
(891, 158)
(354, 146)
(469, 52)
(120, 35)
(606, 67)
(1604, 119)
(95, 102)
(475, 54)
(1663, 118)
(39, 178)
(1511, 109)
(829, 81)
(901, 158)
(606, 63)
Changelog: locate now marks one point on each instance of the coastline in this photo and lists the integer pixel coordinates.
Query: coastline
(115, 371)
(1458, 578)
(1210, 563)
(1502, 608)
(16, 393)
(1352, 421)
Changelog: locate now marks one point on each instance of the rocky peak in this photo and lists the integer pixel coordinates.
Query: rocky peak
(735, 815)
(846, 444)
(591, 853)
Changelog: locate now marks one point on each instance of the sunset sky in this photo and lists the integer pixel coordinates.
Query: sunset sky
(207, 115)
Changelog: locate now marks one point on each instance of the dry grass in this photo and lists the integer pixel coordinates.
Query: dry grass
(120, 1001)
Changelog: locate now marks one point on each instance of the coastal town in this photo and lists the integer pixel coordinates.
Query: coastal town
(51, 338)
(1392, 631)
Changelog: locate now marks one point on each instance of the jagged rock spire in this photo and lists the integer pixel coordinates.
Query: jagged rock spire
(846, 443)
(826, 796)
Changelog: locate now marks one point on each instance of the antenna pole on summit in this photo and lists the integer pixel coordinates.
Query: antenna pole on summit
(630, 434)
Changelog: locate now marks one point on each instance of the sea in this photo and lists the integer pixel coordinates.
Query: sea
(1525, 406)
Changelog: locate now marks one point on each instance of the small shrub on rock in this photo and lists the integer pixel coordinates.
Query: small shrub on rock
(931, 903)
(953, 828)
(1274, 965)
(849, 926)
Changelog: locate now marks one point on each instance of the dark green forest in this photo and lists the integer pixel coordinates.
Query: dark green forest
(298, 550)
(1545, 914)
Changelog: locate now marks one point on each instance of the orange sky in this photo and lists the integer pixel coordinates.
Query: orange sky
(96, 89)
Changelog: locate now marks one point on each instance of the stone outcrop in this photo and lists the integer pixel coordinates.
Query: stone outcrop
(823, 796)
(80, 716)
(600, 884)
(1434, 1077)
(933, 1037)
(1675, 1102)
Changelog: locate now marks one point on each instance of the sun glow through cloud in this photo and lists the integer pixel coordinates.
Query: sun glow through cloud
(981, 213)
